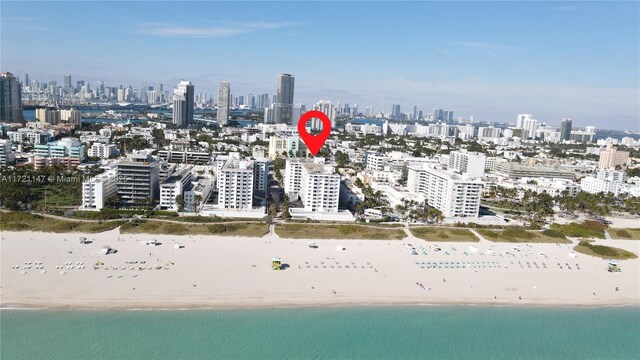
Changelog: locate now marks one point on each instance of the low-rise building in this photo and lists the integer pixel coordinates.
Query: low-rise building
(173, 187)
(102, 151)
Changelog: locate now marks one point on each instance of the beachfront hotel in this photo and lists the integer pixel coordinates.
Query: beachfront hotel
(454, 195)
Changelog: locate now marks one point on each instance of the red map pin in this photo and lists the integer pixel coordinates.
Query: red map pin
(314, 143)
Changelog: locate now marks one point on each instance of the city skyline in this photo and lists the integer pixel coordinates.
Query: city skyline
(540, 58)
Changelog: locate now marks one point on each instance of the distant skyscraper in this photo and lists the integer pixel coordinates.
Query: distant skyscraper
(368, 111)
(183, 102)
(414, 113)
(143, 93)
(565, 129)
(395, 111)
(448, 116)
(224, 97)
(10, 98)
(26, 80)
(284, 99)
(249, 101)
(437, 115)
(67, 83)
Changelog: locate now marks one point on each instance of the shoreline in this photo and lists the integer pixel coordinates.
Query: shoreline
(335, 305)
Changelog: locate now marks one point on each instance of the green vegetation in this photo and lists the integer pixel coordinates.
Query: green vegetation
(625, 234)
(155, 227)
(22, 221)
(601, 251)
(23, 188)
(330, 231)
(520, 235)
(553, 234)
(443, 234)
(587, 229)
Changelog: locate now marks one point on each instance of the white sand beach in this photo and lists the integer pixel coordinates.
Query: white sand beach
(55, 270)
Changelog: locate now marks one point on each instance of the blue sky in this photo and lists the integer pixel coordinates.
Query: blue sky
(492, 60)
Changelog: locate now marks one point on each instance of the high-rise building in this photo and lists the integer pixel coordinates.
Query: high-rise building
(140, 183)
(235, 184)
(10, 98)
(316, 183)
(414, 113)
(250, 101)
(395, 111)
(454, 195)
(469, 163)
(284, 99)
(224, 93)
(144, 95)
(328, 109)
(183, 103)
(26, 80)
(96, 190)
(67, 84)
(527, 123)
(565, 129)
(438, 115)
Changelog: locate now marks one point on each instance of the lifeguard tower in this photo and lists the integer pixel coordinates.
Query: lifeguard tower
(276, 263)
(613, 266)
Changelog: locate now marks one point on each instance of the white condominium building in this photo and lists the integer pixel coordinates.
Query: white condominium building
(315, 182)
(174, 186)
(605, 181)
(5, 152)
(470, 163)
(235, 184)
(375, 161)
(96, 190)
(454, 195)
(261, 175)
(102, 151)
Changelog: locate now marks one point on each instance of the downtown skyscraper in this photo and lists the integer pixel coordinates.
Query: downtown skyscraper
(183, 103)
(284, 99)
(224, 98)
(67, 84)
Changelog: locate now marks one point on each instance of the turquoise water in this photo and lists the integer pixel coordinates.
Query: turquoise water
(462, 332)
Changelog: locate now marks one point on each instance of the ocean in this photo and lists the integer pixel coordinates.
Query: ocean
(367, 332)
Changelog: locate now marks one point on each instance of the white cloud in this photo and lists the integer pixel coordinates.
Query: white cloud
(217, 31)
